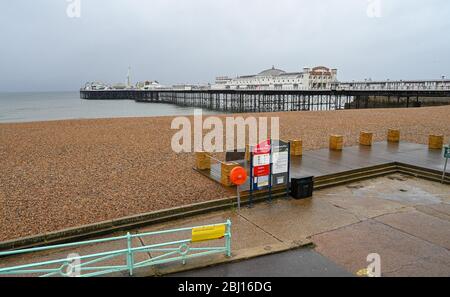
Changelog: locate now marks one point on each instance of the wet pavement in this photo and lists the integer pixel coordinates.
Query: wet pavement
(297, 263)
(403, 219)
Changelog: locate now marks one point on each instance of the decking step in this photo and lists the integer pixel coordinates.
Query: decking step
(356, 174)
(432, 175)
(354, 178)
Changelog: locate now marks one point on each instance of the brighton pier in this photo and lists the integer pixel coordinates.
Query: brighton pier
(274, 90)
(241, 100)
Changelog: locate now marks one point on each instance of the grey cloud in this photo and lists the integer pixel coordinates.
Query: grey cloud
(190, 41)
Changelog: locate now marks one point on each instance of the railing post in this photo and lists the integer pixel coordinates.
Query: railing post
(130, 260)
(446, 155)
(228, 238)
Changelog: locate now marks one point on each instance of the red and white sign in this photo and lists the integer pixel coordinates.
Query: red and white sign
(262, 148)
(261, 159)
(261, 170)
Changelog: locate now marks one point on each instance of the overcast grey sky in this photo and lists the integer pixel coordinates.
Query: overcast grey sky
(192, 41)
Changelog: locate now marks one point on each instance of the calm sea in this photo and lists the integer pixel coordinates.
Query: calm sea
(28, 107)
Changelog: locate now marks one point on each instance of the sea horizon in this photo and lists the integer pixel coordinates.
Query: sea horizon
(30, 106)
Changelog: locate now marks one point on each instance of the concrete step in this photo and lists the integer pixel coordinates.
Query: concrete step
(355, 175)
(428, 174)
(355, 178)
(352, 171)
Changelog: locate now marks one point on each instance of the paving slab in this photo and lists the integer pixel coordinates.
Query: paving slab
(400, 252)
(362, 206)
(407, 190)
(421, 225)
(442, 191)
(298, 219)
(244, 233)
(296, 263)
(238, 255)
(441, 210)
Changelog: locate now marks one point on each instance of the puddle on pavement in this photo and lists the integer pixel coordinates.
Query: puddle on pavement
(411, 194)
(355, 186)
(394, 188)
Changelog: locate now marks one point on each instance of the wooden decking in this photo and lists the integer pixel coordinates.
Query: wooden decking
(324, 162)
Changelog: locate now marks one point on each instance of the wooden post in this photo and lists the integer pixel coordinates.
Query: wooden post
(247, 152)
(365, 138)
(225, 171)
(393, 135)
(336, 142)
(435, 141)
(296, 147)
(202, 161)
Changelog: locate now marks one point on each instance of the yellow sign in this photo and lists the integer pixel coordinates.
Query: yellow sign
(362, 272)
(208, 233)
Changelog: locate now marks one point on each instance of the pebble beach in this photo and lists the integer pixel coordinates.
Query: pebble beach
(61, 174)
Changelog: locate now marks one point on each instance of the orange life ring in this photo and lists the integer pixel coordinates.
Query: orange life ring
(238, 175)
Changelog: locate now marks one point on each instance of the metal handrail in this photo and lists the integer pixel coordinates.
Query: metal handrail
(174, 251)
(446, 156)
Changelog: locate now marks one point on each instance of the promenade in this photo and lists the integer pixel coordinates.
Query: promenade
(405, 220)
(65, 174)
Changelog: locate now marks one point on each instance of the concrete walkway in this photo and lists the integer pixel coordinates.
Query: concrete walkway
(404, 219)
(299, 263)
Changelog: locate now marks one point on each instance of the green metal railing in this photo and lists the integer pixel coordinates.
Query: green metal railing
(179, 250)
(446, 156)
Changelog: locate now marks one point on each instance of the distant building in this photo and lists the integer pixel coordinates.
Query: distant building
(275, 79)
(96, 85)
(368, 84)
(148, 85)
(190, 87)
(120, 86)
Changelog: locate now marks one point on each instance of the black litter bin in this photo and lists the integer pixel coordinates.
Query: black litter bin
(302, 187)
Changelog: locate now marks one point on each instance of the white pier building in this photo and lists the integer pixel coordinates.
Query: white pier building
(317, 78)
(437, 84)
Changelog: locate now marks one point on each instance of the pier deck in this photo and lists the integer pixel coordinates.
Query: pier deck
(274, 100)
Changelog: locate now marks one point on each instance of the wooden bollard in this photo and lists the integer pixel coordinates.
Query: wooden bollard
(365, 138)
(336, 142)
(202, 161)
(435, 141)
(247, 152)
(296, 147)
(225, 170)
(393, 135)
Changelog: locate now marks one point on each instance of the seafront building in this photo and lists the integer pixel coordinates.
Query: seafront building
(128, 85)
(148, 85)
(144, 85)
(368, 84)
(316, 78)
